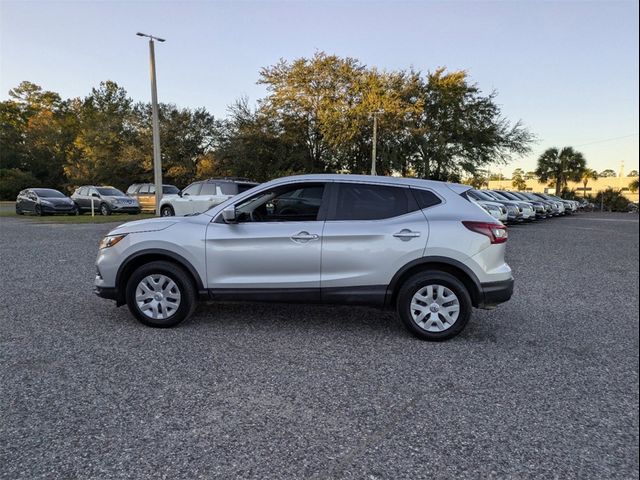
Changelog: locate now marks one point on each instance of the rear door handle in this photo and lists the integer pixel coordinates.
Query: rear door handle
(304, 237)
(406, 234)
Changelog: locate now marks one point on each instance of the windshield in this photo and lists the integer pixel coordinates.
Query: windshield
(170, 190)
(483, 196)
(48, 193)
(110, 192)
(510, 196)
(499, 196)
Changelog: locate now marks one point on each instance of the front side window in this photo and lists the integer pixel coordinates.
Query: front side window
(287, 203)
(371, 202)
(192, 189)
(145, 189)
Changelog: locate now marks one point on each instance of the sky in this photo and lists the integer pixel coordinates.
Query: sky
(567, 69)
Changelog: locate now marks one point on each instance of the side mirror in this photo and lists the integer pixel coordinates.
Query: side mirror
(229, 214)
(95, 195)
(180, 193)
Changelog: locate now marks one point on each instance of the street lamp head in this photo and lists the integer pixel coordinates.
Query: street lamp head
(150, 37)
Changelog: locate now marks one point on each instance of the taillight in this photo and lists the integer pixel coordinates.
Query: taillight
(496, 232)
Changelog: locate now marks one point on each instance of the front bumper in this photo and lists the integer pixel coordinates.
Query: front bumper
(61, 209)
(494, 293)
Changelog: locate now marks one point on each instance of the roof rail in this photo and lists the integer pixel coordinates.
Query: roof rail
(238, 179)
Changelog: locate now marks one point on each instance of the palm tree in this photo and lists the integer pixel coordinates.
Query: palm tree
(587, 174)
(560, 166)
(633, 186)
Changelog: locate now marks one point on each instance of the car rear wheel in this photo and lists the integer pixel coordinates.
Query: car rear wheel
(434, 305)
(167, 211)
(160, 294)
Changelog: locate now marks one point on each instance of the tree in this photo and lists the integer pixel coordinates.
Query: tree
(633, 186)
(587, 175)
(461, 130)
(560, 166)
(633, 173)
(607, 173)
(612, 200)
(517, 179)
(530, 176)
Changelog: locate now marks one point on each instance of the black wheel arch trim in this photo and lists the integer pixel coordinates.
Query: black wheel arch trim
(179, 259)
(476, 290)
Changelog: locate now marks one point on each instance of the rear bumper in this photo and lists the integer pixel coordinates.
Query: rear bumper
(495, 293)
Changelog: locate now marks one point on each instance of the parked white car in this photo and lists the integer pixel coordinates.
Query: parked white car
(202, 195)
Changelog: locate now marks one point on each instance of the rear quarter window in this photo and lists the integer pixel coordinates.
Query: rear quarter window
(425, 198)
(371, 202)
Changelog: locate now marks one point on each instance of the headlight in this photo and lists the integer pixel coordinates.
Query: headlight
(110, 240)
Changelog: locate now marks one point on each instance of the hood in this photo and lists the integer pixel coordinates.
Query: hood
(149, 225)
(57, 201)
(119, 198)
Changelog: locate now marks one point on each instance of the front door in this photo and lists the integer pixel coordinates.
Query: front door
(268, 250)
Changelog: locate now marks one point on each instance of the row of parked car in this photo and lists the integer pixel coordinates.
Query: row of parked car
(515, 207)
(140, 197)
(507, 206)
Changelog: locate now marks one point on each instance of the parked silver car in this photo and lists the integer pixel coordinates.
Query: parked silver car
(418, 246)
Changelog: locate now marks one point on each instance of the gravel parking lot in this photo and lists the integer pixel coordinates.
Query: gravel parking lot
(544, 386)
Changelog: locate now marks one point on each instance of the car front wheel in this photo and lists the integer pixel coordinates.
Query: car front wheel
(167, 211)
(434, 305)
(160, 294)
(105, 210)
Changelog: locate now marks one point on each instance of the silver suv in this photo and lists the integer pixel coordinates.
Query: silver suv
(419, 246)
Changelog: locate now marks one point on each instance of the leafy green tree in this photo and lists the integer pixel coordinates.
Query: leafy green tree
(12, 180)
(633, 173)
(560, 166)
(608, 173)
(633, 186)
(461, 129)
(517, 179)
(587, 175)
(530, 176)
(612, 200)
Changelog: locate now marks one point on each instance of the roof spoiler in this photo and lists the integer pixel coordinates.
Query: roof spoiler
(459, 188)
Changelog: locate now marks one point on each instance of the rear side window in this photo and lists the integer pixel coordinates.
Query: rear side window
(425, 198)
(228, 188)
(208, 189)
(371, 202)
(144, 189)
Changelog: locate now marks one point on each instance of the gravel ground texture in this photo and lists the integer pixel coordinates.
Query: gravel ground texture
(545, 386)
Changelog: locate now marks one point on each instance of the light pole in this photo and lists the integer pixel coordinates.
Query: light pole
(157, 160)
(375, 141)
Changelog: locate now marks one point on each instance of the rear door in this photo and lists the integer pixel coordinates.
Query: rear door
(372, 230)
(146, 197)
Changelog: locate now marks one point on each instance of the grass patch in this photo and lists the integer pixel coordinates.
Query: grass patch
(86, 218)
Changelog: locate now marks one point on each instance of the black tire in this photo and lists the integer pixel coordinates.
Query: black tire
(104, 209)
(73, 212)
(38, 211)
(415, 283)
(19, 210)
(183, 282)
(167, 211)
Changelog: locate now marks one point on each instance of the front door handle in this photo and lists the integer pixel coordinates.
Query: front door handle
(304, 237)
(405, 234)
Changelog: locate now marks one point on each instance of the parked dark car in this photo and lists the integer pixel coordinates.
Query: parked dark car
(106, 200)
(44, 201)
